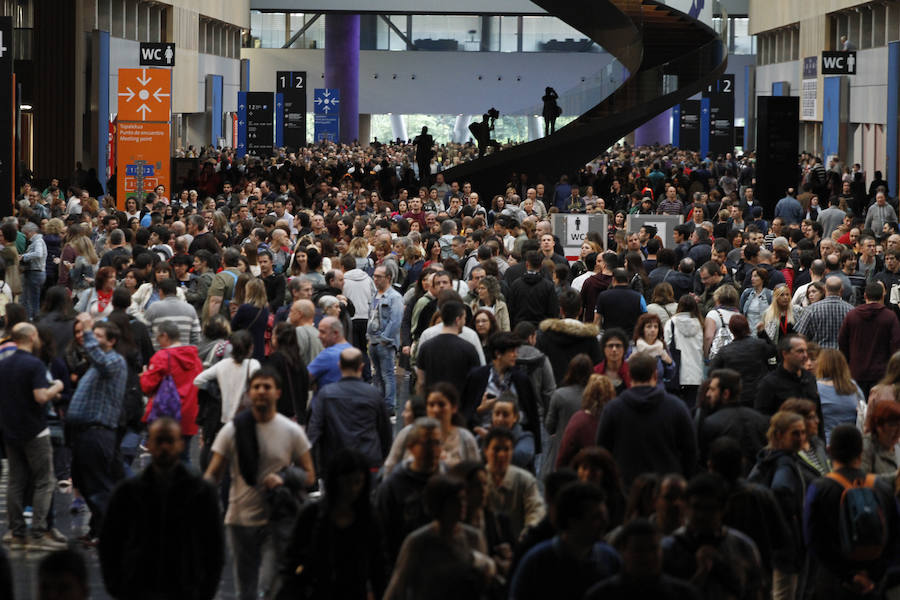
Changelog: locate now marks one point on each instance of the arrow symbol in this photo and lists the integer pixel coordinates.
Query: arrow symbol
(144, 109)
(158, 95)
(130, 94)
(240, 122)
(143, 79)
(326, 93)
(242, 107)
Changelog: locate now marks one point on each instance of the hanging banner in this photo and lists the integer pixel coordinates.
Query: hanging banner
(142, 159)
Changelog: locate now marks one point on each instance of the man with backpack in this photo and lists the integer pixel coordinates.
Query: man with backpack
(222, 287)
(850, 522)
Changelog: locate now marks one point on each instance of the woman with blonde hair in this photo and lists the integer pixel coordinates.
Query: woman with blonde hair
(579, 267)
(581, 431)
(359, 249)
(778, 320)
(839, 395)
(253, 315)
(81, 271)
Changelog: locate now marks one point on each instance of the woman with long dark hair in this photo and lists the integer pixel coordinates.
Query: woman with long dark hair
(335, 548)
(58, 316)
(286, 360)
(564, 403)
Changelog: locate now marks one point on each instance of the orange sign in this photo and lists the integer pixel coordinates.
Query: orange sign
(145, 95)
(142, 159)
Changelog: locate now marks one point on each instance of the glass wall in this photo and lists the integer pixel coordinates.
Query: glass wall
(463, 33)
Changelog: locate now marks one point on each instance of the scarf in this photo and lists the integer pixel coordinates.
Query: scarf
(655, 349)
(103, 300)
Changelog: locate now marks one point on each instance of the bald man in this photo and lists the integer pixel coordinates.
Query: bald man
(350, 413)
(23, 421)
(325, 368)
(302, 316)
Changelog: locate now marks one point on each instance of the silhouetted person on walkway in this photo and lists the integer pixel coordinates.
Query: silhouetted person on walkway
(551, 110)
(424, 144)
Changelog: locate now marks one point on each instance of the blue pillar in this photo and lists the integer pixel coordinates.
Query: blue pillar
(102, 106)
(342, 69)
(676, 125)
(704, 127)
(831, 116)
(892, 135)
(655, 131)
(779, 88)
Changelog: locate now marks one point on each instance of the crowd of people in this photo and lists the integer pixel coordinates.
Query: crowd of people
(369, 382)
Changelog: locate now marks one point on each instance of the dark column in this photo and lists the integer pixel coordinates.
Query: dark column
(342, 69)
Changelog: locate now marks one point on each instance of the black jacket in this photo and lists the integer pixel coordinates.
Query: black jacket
(748, 356)
(561, 339)
(745, 425)
(532, 298)
(400, 506)
(163, 540)
(779, 385)
(476, 384)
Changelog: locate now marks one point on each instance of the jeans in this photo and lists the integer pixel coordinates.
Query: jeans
(31, 292)
(30, 461)
(255, 560)
(96, 468)
(383, 365)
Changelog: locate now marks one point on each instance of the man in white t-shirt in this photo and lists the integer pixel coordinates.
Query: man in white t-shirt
(282, 447)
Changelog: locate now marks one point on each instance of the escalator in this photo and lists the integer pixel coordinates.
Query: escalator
(669, 57)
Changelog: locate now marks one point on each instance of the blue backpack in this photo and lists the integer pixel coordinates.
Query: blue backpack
(167, 401)
(861, 522)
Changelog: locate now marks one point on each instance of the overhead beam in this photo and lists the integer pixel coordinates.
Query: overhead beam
(301, 31)
(395, 29)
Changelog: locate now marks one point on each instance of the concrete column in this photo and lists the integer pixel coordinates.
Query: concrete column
(535, 127)
(461, 129)
(365, 129)
(655, 131)
(398, 127)
(342, 69)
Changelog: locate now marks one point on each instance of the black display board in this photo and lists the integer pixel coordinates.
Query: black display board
(721, 115)
(689, 125)
(778, 146)
(7, 118)
(292, 86)
(260, 128)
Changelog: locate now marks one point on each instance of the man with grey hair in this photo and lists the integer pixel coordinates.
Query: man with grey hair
(34, 263)
(325, 368)
(383, 333)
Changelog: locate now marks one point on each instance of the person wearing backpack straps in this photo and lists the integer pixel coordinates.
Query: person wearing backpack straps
(850, 521)
(222, 287)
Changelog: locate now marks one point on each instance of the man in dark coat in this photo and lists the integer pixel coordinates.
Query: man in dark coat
(162, 534)
(869, 336)
(561, 339)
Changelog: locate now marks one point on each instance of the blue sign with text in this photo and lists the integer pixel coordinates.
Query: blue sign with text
(325, 106)
(241, 142)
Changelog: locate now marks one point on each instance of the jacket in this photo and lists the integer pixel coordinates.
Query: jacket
(646, 429)
(745, 425)
(780, 471)
(748, 356)
(687, 333)
(142, 296)
(35, 258)
(562, 339)
(359, 290)
(779, 385)
(869, 336)
(540, 372)
(532, 298)
(400, 506)
(163, 540)
(184, 364)
(349, 413)
(385, 319)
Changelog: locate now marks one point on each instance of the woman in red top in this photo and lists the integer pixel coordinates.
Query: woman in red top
(581, 432)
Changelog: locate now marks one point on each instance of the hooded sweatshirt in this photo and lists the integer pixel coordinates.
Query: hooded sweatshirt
(183, 363)
(359, 289)
(869, 336)
(533, 298)
(687, 333)
(648, 430)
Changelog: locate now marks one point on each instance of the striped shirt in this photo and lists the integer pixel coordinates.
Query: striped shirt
(176, 311)
(821, 321)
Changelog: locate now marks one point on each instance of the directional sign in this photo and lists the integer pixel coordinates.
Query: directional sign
(155, 54)
(665, 226)
(572, 230)
(292, 86)
(839, 62)
(145, 95)
(142, 159)
(326, 101)
(721, 115)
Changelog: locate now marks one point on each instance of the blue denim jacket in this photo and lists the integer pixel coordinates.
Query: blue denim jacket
(385, 317)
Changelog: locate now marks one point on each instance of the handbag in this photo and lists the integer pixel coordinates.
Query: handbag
(167, 401)
(673, 381)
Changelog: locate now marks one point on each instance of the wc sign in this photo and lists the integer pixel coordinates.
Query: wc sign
(154, 54)
(839, 63)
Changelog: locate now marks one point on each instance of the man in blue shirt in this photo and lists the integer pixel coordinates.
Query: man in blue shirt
(384, 333)
(789, 209)
(93, 418)
(325, 368)
(26, 389)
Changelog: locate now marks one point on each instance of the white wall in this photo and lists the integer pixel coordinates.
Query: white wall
(787, 71)
(445, 82)
(868, 88)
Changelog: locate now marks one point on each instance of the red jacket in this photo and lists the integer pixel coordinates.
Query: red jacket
(185, 365)
(869, 336)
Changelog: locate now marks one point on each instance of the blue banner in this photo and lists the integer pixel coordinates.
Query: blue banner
(279, 120)
(325, 106)
(241, 142)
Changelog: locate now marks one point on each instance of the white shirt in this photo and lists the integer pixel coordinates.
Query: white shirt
(232, 380)
(578, 282)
